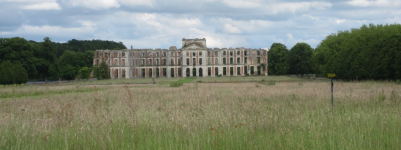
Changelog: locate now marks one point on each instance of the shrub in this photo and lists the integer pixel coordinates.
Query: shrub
(84, 73)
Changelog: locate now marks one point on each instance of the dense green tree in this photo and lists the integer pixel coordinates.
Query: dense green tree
(104, 72)
(300, 59)
(397, 65)
(54, 71)
(53, 67)
(40, 59)
(89, 58)
(18, 50)
(370, 52)
(85, 45)
(6, 73)
(278, 59)
(69, 72)
(19, 73)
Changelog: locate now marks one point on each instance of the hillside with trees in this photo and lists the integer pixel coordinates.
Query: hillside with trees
(49, 60)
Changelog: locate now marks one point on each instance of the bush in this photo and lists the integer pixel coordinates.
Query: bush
(96, 72)
(84, 73)
(103, 72)
(219, 75)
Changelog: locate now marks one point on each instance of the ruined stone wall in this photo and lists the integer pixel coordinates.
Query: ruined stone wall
(139, 63)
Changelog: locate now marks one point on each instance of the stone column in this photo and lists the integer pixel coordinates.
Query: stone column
(197, 72)
(168, 71)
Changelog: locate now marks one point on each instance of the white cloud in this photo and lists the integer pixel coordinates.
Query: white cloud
(231, 29)
(242, 3)
(93, 4)
(276, 7)
(297, 6)
(377, 3)
(243, 26)
(136, 2)
(44, 6)
(49, 31)
(311, 17)
(340, 20)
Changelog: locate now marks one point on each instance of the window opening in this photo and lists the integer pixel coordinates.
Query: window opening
(150, 72)
(157, 72)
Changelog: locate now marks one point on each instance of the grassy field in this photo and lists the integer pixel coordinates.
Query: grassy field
(164, 81)
(283, 115)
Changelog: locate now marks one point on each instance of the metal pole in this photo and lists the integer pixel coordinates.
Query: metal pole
(331, 94)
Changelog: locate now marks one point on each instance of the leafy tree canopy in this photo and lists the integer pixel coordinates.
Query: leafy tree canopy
(300, 58)
(278, 59)
(370, 52)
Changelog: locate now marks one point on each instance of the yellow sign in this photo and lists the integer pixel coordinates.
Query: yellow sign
(331, 75)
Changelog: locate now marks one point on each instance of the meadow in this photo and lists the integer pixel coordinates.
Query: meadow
(243, 115)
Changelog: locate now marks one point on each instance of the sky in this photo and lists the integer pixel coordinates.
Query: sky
(163, 23)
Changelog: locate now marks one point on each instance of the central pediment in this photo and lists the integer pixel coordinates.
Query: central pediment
(194, 46)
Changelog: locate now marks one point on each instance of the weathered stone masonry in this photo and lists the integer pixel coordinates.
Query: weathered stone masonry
(193, 59)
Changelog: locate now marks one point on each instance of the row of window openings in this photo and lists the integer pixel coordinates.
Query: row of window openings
(193, 53)
(231, 71)
(193, 61)
(150, 73)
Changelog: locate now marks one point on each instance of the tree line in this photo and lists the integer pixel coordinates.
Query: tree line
(48, 60)
(368, 52)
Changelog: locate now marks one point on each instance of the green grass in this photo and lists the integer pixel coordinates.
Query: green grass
(287, 115)
(161, 81)
(181, 82)
(249, 79)
(166, 81)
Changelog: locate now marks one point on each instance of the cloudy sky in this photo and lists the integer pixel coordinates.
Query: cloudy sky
(163, 23)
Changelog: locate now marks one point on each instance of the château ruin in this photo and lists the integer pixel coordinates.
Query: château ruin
(193, 59)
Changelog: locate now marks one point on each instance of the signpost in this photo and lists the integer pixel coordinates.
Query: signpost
(331, 76)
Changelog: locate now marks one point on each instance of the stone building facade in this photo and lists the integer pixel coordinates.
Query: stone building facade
(193, 59)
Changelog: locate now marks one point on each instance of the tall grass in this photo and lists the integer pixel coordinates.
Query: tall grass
(367, 115)
(181, 82)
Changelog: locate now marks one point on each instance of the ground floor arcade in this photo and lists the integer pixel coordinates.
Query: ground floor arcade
(185, 71)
